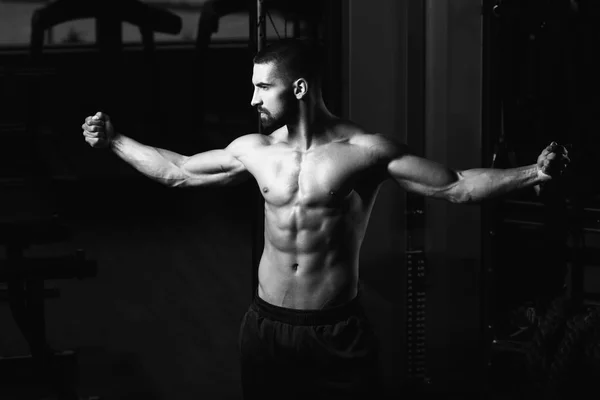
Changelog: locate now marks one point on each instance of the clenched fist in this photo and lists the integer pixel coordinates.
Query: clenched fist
(553, 161)
(98, 130)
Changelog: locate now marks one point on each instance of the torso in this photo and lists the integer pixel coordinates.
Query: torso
(317, 205)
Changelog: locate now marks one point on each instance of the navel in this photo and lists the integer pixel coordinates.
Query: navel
(295, 267)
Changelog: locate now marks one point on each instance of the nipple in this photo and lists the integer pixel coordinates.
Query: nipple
(332, 193)
(265, 189)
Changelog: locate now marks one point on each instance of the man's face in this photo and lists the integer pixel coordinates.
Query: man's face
(273, 96)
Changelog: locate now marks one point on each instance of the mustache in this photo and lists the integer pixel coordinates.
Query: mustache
(261, 110)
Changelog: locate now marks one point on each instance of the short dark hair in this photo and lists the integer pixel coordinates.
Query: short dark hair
(294, 58)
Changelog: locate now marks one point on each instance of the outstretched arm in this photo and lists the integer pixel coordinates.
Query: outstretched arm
(210, 168)
(432, 179)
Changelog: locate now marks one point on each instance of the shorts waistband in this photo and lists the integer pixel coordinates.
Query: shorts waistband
(323, 316)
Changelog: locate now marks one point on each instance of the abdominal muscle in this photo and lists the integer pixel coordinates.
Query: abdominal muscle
(312, 268)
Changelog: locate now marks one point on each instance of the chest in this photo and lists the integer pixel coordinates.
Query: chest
(322, 176)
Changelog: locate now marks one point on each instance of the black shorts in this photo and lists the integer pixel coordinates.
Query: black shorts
(323, 354)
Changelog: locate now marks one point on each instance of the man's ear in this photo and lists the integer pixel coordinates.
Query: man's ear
(300, 88)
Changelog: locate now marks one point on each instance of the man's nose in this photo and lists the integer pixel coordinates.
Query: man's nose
(255, 100)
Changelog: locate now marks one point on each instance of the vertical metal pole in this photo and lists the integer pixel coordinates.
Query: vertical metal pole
(261, 26)
(261, 36)
(258, 29)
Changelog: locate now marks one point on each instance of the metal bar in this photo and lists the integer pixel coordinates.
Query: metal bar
(261, 37)
(259, 32)
(261, 27)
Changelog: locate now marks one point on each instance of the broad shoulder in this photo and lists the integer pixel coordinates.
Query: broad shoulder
(245, 143)
(376, 143)
(380, 146)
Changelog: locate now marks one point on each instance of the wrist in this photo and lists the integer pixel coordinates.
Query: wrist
(541, 176)
(114, 141)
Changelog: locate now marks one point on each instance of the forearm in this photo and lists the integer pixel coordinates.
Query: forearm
(475, 185)
(158, 164)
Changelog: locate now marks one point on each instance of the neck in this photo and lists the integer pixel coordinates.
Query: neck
(309, 127)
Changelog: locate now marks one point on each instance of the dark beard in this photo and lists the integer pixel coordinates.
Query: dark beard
(270, 124)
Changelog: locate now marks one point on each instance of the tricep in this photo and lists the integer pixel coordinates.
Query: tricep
(213, 168)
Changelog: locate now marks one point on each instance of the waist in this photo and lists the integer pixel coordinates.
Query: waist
(322, 316)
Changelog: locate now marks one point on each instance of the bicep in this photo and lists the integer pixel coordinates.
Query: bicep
(422, 176)
(213, 168)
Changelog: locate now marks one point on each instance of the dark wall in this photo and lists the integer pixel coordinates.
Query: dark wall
(453, 232)
(431, 99)
(376, 99)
